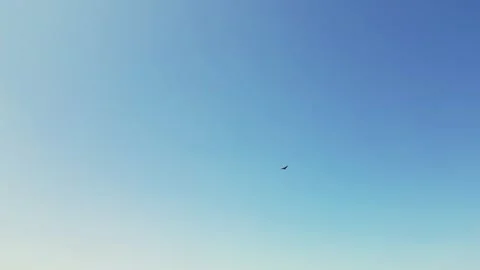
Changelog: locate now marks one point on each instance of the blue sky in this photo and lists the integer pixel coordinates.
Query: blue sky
(150, 134)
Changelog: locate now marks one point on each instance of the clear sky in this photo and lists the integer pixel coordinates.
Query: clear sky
(149, 135)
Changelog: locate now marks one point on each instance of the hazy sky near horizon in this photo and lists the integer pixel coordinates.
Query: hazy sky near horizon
(149, 135)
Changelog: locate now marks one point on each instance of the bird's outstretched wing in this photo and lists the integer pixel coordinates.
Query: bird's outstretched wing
(284, 168)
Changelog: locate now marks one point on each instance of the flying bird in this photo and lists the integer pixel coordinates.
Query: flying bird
(284, 168)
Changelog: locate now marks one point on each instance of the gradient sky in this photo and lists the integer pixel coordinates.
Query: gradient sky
(149, 135)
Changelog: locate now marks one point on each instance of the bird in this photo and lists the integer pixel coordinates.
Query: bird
(284, 168)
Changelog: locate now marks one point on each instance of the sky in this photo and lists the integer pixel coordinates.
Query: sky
(150, 135)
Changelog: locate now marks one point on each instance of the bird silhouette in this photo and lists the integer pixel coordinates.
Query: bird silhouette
(284, 168)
